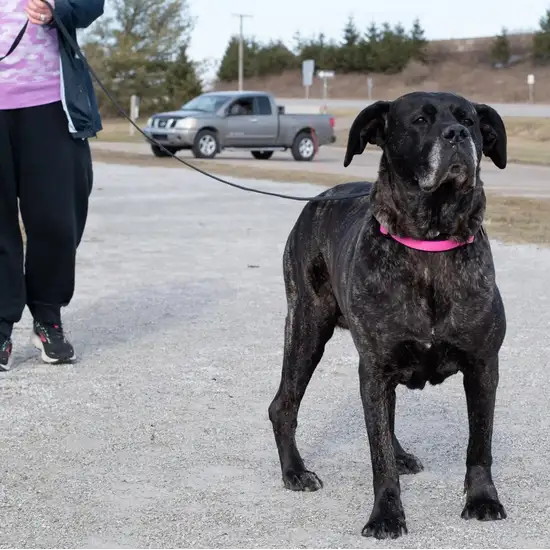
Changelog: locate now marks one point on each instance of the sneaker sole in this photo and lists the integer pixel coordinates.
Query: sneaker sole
(37, 343)
(6, 368)
(8, 365)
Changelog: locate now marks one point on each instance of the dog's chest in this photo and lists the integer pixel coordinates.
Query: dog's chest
(429, 318)
(428, 345)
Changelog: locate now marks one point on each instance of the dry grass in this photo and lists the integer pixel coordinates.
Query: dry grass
(118, 130)
(511, 219)
(463, 74)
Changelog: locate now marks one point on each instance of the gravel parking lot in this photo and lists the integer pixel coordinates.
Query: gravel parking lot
(158, 436)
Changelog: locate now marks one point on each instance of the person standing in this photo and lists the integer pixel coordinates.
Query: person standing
(48, 110)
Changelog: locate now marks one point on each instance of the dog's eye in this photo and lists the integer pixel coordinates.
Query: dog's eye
(468, 122)
(420, 120)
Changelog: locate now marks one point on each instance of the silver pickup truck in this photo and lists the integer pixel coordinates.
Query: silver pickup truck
(250, 121)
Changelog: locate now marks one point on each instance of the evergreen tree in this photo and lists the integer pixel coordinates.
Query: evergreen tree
(370, 47)
(274, 58)
(141, 49)
(228, 70)
(541, 40)
(349, 52)
(182, 82)
(500, 49)
(351, 34)
(393, 49)
(418, 42)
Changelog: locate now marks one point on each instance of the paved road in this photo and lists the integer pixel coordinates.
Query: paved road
(159, 436)
(505, 109)
(515, 180)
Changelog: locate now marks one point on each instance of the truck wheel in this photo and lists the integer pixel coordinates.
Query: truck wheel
(262, 155)
(161, 153)
(206, 145)
(303, 148)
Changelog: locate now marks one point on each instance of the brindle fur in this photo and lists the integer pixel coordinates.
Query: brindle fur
(415, 317)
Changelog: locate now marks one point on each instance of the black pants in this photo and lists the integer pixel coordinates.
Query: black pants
(51, 174)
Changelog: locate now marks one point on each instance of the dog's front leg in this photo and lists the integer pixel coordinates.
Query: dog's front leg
(387, 519)
(407, 463)
(480, 385)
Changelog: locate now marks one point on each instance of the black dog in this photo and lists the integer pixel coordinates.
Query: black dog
(415, 316)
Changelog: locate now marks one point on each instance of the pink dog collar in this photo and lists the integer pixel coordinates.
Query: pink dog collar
(426, 246)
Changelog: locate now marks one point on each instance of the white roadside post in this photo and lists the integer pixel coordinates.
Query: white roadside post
(531, 85)
(308, 69)
(325, 75)
(369, 88)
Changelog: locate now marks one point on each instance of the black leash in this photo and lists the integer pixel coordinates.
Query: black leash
(16, 41)
(77, 51)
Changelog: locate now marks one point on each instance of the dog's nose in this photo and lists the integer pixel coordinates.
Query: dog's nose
(455, 133)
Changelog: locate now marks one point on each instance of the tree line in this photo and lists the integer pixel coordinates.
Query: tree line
(381, 48)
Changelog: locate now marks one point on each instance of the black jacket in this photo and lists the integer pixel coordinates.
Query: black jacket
(77, 91)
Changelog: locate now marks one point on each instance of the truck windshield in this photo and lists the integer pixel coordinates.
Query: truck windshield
(206, 103)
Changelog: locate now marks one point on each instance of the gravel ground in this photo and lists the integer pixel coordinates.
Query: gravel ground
(159, 437)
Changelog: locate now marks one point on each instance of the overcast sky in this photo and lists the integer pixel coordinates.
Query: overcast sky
(282, 18)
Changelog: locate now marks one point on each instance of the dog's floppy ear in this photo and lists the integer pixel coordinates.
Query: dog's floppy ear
(493, 132)
(368, 127)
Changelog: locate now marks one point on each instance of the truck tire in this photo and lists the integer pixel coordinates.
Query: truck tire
(262, 155)
(206, 145)
(161, 153)
(303, 148)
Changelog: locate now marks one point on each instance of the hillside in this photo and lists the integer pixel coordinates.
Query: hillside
(462, 66)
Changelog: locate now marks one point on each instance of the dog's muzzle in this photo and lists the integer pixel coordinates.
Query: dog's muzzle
(464, 153)
(453, 159)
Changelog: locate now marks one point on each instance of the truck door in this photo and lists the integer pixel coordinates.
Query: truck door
(251, 122)
(267, 125)
(241, 123)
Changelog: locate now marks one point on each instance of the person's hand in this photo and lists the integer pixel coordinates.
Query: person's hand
(38, 12)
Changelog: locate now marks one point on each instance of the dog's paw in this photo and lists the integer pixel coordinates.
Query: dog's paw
(408, 464)
(302, 481)
(390, 526)
(387, 520)
(483, 508)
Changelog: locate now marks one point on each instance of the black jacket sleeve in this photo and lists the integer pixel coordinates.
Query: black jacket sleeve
(79, 14)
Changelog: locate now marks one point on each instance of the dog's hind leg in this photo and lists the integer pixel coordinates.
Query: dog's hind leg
(310, 324)
(407, 463)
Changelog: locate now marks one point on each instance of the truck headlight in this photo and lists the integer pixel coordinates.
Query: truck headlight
(186, 123)
(149, 122)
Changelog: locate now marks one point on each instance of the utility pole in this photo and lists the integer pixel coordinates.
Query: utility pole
(241, 17)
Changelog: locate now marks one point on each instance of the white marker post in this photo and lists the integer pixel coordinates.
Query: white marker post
(308, 70)
(325, 75)
(369, 88)
(531, 85)
(134, 112)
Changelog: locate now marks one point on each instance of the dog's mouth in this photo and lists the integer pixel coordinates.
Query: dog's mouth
(456, 167)
(460, 169)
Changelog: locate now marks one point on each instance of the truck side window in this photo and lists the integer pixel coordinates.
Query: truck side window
(242, 107)
(263, 105)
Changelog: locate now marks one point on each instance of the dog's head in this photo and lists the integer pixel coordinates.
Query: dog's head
(431, 138)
